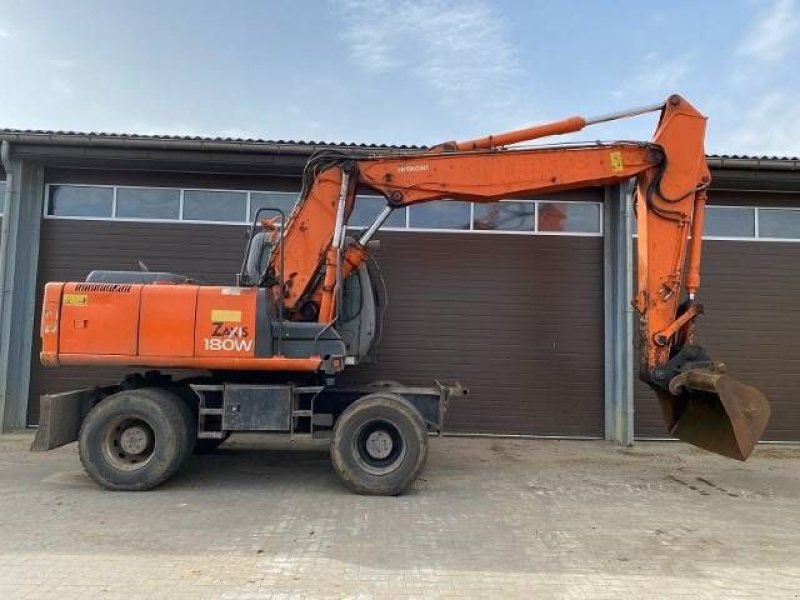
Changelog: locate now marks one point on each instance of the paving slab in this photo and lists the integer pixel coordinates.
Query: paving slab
(489, 518)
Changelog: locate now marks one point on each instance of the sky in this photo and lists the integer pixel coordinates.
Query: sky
(400, 71)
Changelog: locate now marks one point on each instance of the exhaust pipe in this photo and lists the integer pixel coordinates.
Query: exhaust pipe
(707, 408)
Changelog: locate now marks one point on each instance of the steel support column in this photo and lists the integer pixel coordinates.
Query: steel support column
(618, 285)
(19, 255)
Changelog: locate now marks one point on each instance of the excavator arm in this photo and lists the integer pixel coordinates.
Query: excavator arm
(699, 402)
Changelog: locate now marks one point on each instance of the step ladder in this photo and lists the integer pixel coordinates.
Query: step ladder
(302, 421)
(210, 411)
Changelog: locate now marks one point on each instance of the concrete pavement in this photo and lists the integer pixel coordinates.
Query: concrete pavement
(489, 518)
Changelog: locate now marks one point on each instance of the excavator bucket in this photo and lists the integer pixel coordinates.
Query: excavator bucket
(715, 412)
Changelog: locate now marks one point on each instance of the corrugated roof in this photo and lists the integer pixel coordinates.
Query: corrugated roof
(122, 137)
(197, 138)
(751, 157)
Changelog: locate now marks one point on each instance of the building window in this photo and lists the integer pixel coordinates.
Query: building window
(505, 216)
(514, 216)
(750, 223)
(81, 201)
(148, 203)
(240, 207)
(283, 201)
(730, 221)
(367, 209)
(440, 215)
(569, 217)
(224, 207)
(779, 223)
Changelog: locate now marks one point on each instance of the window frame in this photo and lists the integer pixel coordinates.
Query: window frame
(383, 228)
(534, 231)
(774, 239)
(114, 216)
(734, 237)
(442, 229)
(599, 233)
(182, 218)
(407, 228)
(179, 220)
(46, 202)
(250, 193)
(537, 202)
(756, 237)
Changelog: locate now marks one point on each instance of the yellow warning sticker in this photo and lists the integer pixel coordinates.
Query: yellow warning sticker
(226, 316)
(616, 161)
(76, 299)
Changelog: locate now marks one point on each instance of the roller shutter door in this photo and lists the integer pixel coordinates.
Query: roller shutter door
(752, 323)
(516, 319)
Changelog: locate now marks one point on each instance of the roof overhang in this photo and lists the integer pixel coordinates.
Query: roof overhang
(210, 155)
(757, 174)
(286, 158)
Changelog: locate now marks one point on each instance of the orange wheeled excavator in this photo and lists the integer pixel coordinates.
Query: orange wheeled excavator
(304, 308)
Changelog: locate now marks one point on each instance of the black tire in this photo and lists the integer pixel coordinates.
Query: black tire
(136, 439)
(379, 445)
(189, 416)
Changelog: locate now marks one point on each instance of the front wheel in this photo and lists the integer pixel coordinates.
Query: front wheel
(379, 445)
(136, 439)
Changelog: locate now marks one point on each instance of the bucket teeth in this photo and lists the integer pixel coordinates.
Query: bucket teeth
(715, 412)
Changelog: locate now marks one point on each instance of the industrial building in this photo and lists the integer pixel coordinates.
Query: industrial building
(531, 313)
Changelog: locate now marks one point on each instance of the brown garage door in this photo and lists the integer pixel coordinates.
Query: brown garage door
(750, 291)
(517, 319)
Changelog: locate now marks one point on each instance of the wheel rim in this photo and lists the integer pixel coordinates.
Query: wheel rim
(129, 443)
(379, 447)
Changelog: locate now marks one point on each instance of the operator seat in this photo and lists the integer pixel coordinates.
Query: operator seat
(135, 277)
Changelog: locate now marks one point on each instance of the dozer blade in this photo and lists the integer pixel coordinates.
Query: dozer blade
(715, 412)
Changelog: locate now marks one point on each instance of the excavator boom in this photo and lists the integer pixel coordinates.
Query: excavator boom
(700, 403)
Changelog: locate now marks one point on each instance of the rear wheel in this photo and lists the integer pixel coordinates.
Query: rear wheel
(136, 439)
(379, 445)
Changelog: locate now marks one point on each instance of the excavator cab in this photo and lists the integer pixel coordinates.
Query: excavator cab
(359, 305)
